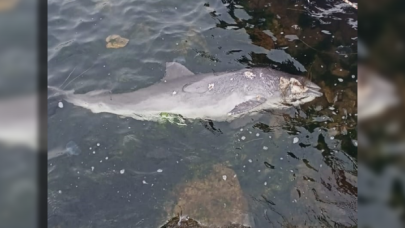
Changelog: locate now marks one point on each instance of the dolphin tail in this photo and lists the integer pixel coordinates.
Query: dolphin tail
(56, 92)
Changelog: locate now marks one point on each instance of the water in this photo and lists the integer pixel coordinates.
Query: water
(312, 182)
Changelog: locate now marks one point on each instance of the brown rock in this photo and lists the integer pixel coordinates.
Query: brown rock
(338, 71)
(329, 94)
(7, 5)
(215, 200)
(260, 38)
(116, 41)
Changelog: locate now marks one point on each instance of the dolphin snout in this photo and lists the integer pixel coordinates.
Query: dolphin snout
(312, 86)
(314, 89)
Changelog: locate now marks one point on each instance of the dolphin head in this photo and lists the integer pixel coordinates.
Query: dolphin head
(298, 90)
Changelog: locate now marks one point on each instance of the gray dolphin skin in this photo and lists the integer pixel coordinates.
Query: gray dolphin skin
(214, 96)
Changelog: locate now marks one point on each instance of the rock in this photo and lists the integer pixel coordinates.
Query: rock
(338, 71)
(212, 200)
(260, 38)
(116, 41)
(129, 139)
(329, 94)
(7, 5)
(186, 222)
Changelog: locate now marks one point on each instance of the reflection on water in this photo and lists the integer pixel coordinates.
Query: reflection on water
(292, 168)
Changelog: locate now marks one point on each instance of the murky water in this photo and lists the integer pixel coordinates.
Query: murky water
(296, 167)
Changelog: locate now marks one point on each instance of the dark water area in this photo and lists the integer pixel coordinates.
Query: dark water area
(291, 168)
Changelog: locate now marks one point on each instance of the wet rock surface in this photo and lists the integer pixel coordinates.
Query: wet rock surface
(186, 222)
(216, 199)
(116, 41)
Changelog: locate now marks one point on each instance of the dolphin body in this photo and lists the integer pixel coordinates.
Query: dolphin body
(213, 96)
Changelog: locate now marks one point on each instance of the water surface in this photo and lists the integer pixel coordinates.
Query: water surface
(296, 167)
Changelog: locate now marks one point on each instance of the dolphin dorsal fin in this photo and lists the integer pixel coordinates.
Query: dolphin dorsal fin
(175, 70)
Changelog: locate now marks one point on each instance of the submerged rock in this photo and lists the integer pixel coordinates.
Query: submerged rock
(214, 201)
(72, 148)
(186, 222)
(116, 41)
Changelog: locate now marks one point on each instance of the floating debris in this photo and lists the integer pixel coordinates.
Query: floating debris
(60, 104)
(159, 170)
(224, 177)
(295, 140)
(243, 138)
(265, 148)
(326, 32)
(291, 37)
(116, 41)
(122, 171)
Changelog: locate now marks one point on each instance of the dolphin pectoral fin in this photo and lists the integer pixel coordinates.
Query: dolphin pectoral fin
(247, 105)
(244, 120)
(175, 70)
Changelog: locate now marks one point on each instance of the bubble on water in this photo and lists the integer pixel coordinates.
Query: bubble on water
(250, 160)
(92, 168)
(295, 140)
(98, 144)
(122, 171)
(94, 152)
(269, 136)
(106, 158)
(243, 138)
(281, 158)
(60, 104)
(340, 79)
(265, 148)
(257, 134)
(144, 182)
(159, 170)
(60, 191)
(331, 138)
(265, 183)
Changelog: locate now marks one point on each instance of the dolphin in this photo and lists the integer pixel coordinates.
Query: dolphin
(214, 96)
